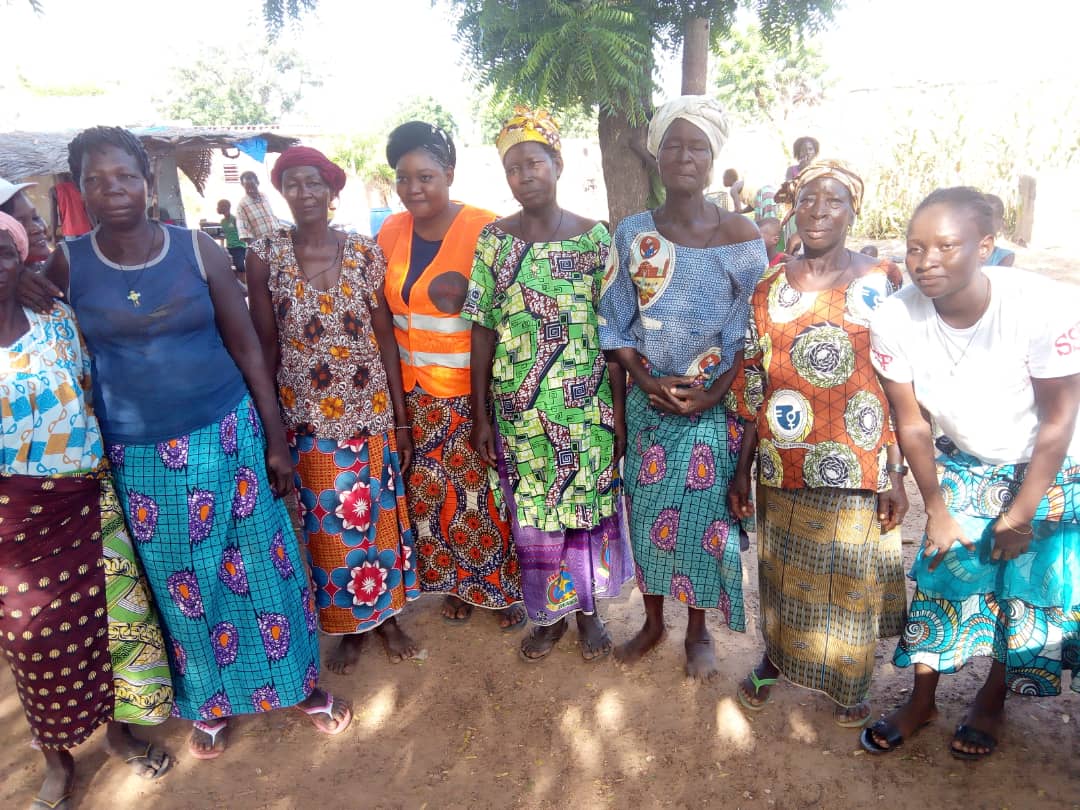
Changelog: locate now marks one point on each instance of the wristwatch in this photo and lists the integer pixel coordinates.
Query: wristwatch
(899, 469)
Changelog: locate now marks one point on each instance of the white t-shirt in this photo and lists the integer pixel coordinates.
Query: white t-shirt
(976, 383)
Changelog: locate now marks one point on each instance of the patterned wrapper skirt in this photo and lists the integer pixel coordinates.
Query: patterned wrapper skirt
(831, 585)
(356, 526)
(567, 571)
(224, 566)
(686, 542)
(463, 545)
(77, 625)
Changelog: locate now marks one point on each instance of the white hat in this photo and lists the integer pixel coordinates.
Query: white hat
(9, 189)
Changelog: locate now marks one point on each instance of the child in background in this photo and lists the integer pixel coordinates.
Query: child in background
(770, 233)
(233, 243)
(869, 250)
(1000, 257)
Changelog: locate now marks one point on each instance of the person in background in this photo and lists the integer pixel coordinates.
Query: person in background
(69, 215)
(989, 361)
(15, 203)
(532, 299)
(805, 149)
(770, 233)
(760, 203)
(999, 256)
(869, 250)
(463, 544)
(233, 243)
(255, 218)
(673, 312)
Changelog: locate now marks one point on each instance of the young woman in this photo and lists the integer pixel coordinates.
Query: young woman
(992, 357)
(532, 298)
(316, 299)
(194, 438)
(674, 312)
(462, 542)
(830, 483)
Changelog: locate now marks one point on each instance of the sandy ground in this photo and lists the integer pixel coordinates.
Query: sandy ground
(472, 726)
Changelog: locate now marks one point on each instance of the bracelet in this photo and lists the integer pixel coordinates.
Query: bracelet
(899, 469)
(403, 427)
(1013, 527)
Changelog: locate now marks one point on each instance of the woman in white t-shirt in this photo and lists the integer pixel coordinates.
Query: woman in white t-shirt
(988, 362)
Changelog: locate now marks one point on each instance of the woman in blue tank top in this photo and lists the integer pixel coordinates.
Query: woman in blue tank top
(191, 425)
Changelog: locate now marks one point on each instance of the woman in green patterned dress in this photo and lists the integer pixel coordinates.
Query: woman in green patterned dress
(532, 298)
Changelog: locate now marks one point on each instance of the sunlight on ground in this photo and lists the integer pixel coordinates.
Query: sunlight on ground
(732, 726)
(802, 728)
(581, 738)
(609, 710)
(372, 715)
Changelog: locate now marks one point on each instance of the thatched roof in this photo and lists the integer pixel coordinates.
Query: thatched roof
(26, 154)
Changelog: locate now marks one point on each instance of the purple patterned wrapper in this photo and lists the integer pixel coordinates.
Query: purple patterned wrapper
(275, 635)
(683, 589)
(200, 515)
(216, 707)
(184, 589)
(265, 699)
(228, 433)
(247, 490)
(225, 643)
(665, 531)
(279, 556)
(232, 572)
(174, 453)
(116, 455)
(142, 516)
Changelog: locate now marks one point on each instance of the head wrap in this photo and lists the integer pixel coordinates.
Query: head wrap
(18, 233)
(701, 111)
(528, 125)
(838, 171)
(420, 135)
(332, 174)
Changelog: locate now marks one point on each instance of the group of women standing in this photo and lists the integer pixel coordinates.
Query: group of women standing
(454, 402)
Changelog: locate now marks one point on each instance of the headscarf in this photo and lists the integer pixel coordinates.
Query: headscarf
(18, 233)
(528, 125)
(838, 171)
(420, 135)
(332, 174)
(703, 112)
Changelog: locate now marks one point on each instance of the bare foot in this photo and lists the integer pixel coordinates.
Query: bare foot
(397, 643)
(59, 777)
(542, 640)
(147, 760)
(455, 610)
(512, 617)
(700, 657)
(977, 734)
(647, 638)
(346, 654)
(595, 639)
(906, 719)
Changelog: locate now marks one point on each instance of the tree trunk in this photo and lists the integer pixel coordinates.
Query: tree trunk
(625, 174)
(695, 56)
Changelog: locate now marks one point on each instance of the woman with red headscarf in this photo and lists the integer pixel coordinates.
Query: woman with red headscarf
(316, 299)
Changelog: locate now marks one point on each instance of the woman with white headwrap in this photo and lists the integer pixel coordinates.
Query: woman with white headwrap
(674, 309)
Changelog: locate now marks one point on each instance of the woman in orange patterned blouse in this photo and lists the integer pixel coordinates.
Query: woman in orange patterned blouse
(830, 573)
(316, 299)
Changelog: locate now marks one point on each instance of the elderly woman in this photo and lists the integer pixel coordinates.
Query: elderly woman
(195, 441)
(991, 358)
(532, 298)
(67, 568)
(462, 542)
(15, 203)
(673, 312)
(316, 299)
(830, 483)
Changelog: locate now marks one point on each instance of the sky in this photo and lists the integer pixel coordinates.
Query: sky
(374, 54)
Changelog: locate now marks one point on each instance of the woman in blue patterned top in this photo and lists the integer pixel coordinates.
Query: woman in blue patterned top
(674, 309)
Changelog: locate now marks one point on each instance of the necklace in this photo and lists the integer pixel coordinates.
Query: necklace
(133, 295)
(971, 339)
(521, 225)
(335, 262)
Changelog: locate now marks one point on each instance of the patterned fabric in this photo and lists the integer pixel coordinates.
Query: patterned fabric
(831, 585)
(255, 218)
(654, 289)
(224, 566)
(528, 125)
(550, 379)
(463, 544)
(331, 380)
(46, 424)
(685, 541)
(807, 379)
(76, 624)
(834, 169)
(565, 571)
(356, 525)
(765, 205)
(1035, 644)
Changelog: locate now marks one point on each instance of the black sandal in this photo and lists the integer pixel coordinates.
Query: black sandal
(972, 736)
(888, 732)
(550, 642)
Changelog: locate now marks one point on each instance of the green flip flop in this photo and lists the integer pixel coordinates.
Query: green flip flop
(758, 683)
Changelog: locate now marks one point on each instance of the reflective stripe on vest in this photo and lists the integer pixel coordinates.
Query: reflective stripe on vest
(431, 323)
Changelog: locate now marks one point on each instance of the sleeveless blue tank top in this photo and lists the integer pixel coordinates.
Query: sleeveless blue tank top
(160, 369)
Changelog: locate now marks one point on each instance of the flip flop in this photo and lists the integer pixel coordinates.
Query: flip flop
(146, 759)
(891, 734)
(853, 722)
(758, 683)
(211, 731)
(597, 653)
(328, 709)
(972, 736)
(519, 623)
(546, 652)
(60, 804)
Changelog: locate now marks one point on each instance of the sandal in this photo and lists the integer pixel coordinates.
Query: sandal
(744, 701)
(591, 654)
(143, 763)
(523, 617)
(549, 643)
(851, 722)
(328, 709)
(212, 731)
(60, 804)
(972, 736)
(887, 731)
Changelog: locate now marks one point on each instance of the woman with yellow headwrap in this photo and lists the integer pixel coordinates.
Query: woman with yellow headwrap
(535, 344)
(830, 482)
(674, 311)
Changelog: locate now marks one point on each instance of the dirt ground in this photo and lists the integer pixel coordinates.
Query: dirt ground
(472, 726)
